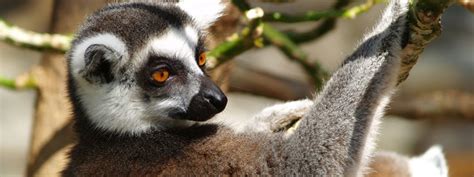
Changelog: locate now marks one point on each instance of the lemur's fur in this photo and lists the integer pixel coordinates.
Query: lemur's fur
(129, 126)
(390, 164)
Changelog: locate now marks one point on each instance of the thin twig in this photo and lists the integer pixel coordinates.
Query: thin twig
(320, 30)
(292, 51)
(22, 82)
(246, 39)
(349, 13)
(37, 41)
(7, 83)
(289, 48)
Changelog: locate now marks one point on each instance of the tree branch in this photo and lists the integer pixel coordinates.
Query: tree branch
(22, 82)
(425, 26)
(289, 48)
(7, 83)
(32, 40)
(246, 39)
(450, 104)
(349, 13)
(320, 30)
(293, 52)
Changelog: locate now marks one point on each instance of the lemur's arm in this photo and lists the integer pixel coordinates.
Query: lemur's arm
(276, 118)
(332, 138)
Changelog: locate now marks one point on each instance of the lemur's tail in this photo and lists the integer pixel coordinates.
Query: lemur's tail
(339, 128)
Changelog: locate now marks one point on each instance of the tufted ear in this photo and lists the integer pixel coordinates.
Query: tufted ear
(204, 12)
(435, 156)
(99, 61)
(431, 163)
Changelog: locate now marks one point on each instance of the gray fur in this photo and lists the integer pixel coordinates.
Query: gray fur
(332, 135)
(331, 138)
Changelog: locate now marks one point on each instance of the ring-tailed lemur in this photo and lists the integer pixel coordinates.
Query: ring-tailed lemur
(138, 88)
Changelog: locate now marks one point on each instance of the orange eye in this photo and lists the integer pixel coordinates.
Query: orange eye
(202, 59)
(161, 75)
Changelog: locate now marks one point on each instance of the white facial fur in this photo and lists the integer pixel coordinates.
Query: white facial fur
(178, 44)
(431, 163)
(109, 106)
(204, 12)
(106, 39)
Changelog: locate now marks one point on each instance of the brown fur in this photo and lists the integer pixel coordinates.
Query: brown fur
(388, 164)
(196, 152)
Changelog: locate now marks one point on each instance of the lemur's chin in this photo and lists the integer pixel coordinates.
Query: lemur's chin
(190, 115)
(200, 109)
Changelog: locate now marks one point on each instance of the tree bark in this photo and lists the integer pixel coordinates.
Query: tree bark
(51, 128)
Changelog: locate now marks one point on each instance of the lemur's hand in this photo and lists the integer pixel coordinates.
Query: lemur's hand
(280, 117)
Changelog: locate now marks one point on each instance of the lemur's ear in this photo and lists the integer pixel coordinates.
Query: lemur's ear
(99, 61)
(431, 161)
(436, 157)
(204, 12)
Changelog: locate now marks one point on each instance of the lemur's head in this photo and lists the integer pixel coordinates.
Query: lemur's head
(134, 67)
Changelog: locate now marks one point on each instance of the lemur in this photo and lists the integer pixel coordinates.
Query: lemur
(389, 164)
(142, 102)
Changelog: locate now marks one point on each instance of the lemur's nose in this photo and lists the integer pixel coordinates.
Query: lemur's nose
(209, 101)
(216, 97)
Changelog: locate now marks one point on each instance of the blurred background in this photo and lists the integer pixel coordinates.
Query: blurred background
(445, 71)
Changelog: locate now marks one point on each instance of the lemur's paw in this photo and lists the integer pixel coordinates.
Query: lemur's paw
(282, 117)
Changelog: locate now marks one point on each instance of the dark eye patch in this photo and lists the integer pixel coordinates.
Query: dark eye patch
(178, 74)
(176, 66)
(153, 91)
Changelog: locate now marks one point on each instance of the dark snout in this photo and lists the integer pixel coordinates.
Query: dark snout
(211, 96)
(208, 102)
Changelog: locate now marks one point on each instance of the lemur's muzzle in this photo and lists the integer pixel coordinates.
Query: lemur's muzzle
(208, 102)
